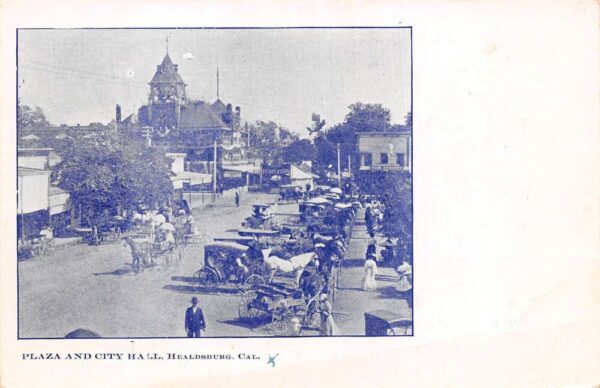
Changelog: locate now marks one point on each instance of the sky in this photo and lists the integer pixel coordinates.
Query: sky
(283, 75)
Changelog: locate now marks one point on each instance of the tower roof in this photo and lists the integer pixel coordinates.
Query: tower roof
(166, 72)
(218, 106)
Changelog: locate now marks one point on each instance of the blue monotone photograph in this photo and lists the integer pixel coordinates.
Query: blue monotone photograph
(214, 182)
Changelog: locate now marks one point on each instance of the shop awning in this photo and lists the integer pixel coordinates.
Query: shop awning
(243, 168)
(193, 178)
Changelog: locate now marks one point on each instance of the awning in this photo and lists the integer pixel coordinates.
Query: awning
(243, 168)
(193, 178)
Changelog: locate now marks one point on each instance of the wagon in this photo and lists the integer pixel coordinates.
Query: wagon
(387, 323)
(146, 253)
(280, 305)
(223, 263)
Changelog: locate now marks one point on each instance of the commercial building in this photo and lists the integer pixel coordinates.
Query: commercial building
(385, 151)
(39, 203)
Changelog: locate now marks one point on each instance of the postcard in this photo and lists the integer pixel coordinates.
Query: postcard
(334, 194)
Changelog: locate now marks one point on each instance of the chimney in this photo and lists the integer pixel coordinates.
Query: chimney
(237, 111)
(118, 113)
(229, 108)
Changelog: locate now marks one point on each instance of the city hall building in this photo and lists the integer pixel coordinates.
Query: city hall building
(204, 132)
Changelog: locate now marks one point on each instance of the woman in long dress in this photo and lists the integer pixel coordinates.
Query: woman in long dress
(328, 326)
(369, 282)
(405, 272)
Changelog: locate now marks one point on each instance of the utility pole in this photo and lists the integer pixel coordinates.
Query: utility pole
(338, 166)
(350, 171)
(190, 192)
(214, 169)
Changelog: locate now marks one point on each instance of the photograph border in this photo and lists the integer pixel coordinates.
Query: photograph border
(410, 28)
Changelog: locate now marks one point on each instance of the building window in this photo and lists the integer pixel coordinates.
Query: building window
(383, 158)
(367, 159)
(400, 159)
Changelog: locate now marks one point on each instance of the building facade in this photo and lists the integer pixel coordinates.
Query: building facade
(205, 132)
(385, 151)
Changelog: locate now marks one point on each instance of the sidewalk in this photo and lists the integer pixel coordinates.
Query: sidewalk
(351, 301)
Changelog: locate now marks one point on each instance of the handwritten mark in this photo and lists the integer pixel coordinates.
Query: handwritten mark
(272, 360)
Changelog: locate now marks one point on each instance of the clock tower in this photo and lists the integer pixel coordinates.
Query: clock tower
(167, 95)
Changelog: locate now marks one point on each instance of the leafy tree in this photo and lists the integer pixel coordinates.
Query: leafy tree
(29, 119)
(408, 119)
(267, 140)
(398, 220)
(367, 117)
(317, 124)
(299, 150)
(104, 172)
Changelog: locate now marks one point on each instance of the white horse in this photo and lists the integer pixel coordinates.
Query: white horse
(295, 264)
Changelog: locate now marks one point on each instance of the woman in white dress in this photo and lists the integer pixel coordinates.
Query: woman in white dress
(405, 272)
(369, 282)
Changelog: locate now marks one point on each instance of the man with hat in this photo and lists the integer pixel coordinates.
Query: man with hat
(194, 320)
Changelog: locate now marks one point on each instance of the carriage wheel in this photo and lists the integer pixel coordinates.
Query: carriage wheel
(251, 282)
(246, 309)
(206, 278)
(281, 317)
(312, 317)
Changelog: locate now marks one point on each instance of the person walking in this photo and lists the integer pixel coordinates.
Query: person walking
(369, 220)
(369, 282)
(237, 199)
(371, 248)
(194, 320)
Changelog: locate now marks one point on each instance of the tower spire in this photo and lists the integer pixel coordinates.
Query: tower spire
(167, 42)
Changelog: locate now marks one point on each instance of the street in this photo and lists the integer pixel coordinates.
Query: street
(93, 287)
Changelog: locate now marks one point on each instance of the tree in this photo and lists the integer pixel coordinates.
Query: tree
(29, 119)
(299, 150)
(267, 140)
(317, 124)
(105, 172)
(408, 119)
(367, 117)
(397, 218)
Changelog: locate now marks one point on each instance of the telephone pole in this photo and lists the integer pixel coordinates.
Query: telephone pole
(350, 171)
(339, 166)
(214, 169)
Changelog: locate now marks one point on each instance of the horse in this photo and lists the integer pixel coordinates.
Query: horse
(138, 253)
(295, 264)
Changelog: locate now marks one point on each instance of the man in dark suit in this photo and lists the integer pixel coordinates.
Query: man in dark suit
(194, 320)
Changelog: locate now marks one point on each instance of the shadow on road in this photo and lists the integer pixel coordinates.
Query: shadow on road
(198, 289)
(116, 272)
(387, 278)
(248, 324)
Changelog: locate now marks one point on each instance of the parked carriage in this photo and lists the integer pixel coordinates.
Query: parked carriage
(228, 262)
(387, 323)
(279, 305)
(259, 216)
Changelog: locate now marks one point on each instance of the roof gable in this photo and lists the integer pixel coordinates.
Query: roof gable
(199, 114)
(166, 72)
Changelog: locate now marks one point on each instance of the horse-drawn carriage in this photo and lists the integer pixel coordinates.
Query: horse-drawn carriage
(229, 262)
(280, 305)
(387, 323)
(147, 253)
(290, 193)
